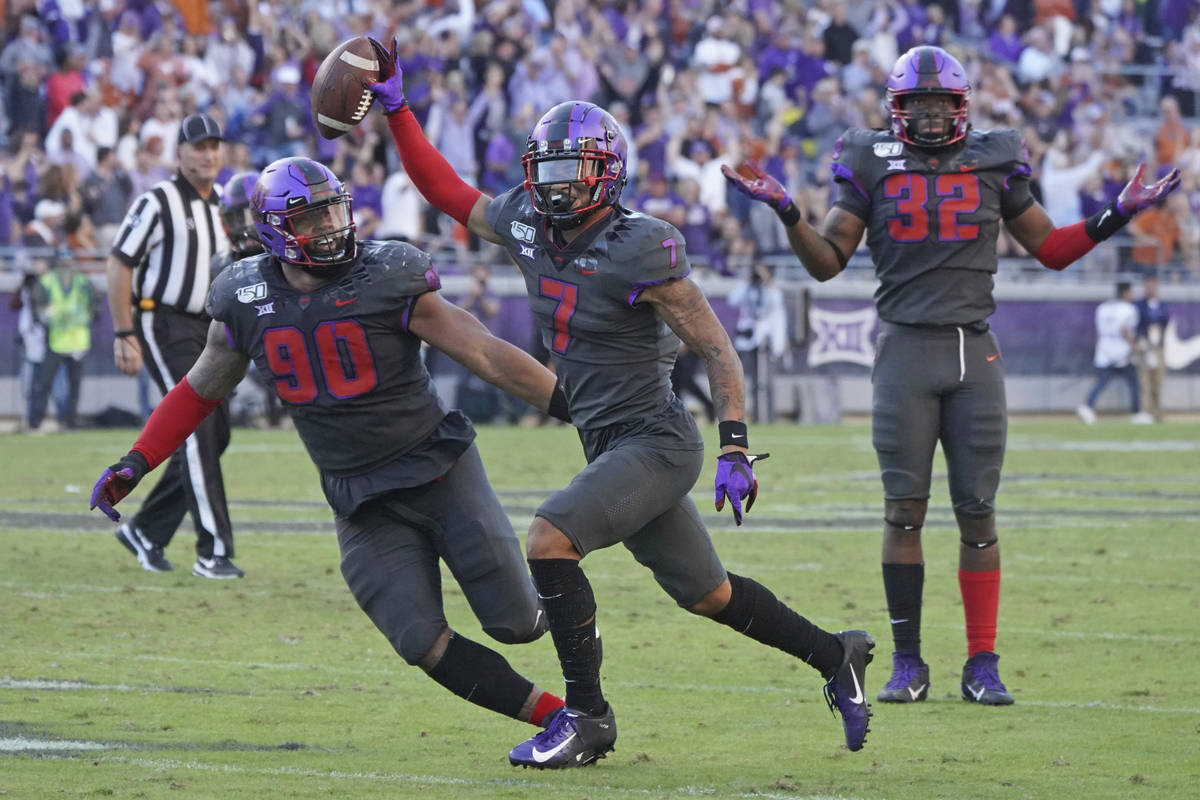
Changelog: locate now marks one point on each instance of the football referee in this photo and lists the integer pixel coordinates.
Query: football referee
(158, 278)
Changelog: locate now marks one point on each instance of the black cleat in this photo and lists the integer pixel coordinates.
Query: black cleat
(215, 567)
(149, 555)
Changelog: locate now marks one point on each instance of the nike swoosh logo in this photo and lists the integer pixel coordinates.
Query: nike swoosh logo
(992, 358)
(858, 692)
(967, 167)
(583, 271)
(917, 692)
(737, 436)
(978, 694)
(340, 303)
(542, 758)
(898, 621)
(1107, 213)
(1178, 353)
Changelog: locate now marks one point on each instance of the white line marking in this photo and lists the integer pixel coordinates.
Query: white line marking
(21, 744)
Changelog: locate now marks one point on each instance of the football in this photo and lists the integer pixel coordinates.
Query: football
(339, 99)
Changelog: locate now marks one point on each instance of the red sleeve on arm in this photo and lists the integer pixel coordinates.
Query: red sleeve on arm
(1064, 245)
(433, 176)
(175, 418)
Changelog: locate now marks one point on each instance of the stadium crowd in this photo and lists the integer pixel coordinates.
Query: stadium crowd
(94, 91)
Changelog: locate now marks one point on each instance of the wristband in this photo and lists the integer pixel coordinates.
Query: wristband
(789, 215)
(733, 432)
(1105, 222)
(124, 333)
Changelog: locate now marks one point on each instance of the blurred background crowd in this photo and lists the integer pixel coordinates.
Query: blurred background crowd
(94, 91)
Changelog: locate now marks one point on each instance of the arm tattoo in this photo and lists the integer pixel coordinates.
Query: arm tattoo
(220, 368)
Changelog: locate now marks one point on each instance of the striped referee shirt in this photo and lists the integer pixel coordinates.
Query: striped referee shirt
(169, 237)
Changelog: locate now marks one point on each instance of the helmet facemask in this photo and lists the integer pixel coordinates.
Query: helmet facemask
(566, 185)
(239, 226)
(319, 236)
(917, 127)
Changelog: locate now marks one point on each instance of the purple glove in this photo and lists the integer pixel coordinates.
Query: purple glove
(1137, 197)
(118, 481)
(390, 90)
(762, 188)
(735, 480)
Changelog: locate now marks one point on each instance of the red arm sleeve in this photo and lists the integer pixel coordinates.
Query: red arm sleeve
(433, 176)
(179, 413)
(1064, 245)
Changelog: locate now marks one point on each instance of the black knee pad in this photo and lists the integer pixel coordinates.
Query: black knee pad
(977, 532)
(907, 516)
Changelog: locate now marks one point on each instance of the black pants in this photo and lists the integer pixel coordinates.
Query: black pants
(191, 481)
(43, 383)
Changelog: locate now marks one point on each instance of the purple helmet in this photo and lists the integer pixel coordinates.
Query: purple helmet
(236, 214)
(928, 70)
(304, 215)
(574, 143)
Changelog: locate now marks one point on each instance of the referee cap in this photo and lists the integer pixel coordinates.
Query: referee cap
(198, 127)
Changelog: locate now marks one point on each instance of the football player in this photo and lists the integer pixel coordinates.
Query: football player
(931, 193)
(610, 292)
(238, 219)
(335, 326)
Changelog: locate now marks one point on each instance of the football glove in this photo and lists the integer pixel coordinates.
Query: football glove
(762, 187)
(1136, 196)
(735, 480)
(118, 481)
(390, 90)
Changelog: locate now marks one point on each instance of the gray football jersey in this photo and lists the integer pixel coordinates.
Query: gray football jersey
(341, 358)
(613, 354)
(933, 218)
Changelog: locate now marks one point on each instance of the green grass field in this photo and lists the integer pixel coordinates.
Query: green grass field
(115, 682)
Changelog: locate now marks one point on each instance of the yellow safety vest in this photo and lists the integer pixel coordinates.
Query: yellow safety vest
(69, 322)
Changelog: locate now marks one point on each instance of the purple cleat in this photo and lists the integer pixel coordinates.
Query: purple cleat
(981, 681)
(844, 688)
(910, 680)
(573, 739)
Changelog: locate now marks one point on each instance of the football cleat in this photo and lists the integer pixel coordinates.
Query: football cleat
(573, 739)
(149, 555)
(910, 680)
(215, 567)
(844, 688)
(981, 681)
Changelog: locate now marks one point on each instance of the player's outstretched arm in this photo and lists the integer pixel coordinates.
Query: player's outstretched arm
(215, 374)
(433, 176)
(823, 254)
(1057, 248)
(458, 334)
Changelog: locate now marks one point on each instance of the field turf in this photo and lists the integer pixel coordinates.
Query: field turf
(115, 682)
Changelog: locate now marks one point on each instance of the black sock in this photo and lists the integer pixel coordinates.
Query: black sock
(903, 584)
(570, 608)
(481, 676)
(757, 613)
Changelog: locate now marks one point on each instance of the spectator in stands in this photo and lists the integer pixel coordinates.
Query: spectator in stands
(163, 126)
(65, 82)
(839, 36)
(1171, 139)
(1156, 232)
(31, 334)
(1038, 61)
(1066, 179)
(1116, 328)
(45, 229)
(91, 125)
(1151, 366)
(26, 98)
(106, 192)
(28, 47)
(760, 335)
(1005, 44)
(285, 117)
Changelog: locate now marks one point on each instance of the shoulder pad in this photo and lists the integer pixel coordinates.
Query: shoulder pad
(405, 269)
(240, 282)
(646, 249)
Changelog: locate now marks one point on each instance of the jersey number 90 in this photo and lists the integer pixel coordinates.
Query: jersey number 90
(342, 350)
